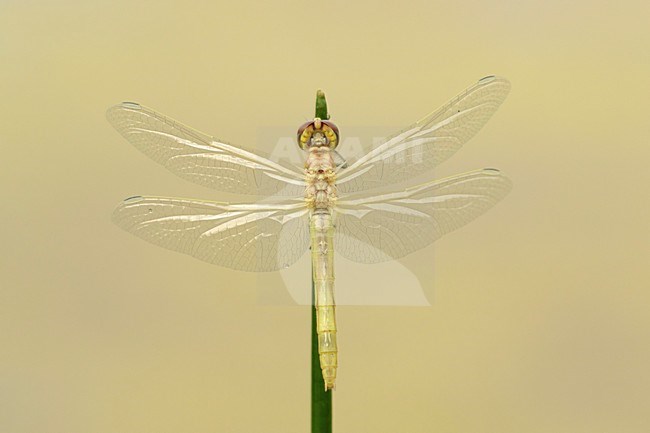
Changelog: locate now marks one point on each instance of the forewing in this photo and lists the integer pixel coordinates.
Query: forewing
(247, 237)
(200, 158)
(428, 142)
(390, 226)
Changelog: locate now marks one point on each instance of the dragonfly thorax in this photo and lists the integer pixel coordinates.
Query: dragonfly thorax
(320, 177)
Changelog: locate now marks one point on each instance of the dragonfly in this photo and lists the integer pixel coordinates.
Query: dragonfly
(329, 204)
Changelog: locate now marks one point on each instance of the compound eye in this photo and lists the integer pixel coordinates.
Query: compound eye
(304, 135)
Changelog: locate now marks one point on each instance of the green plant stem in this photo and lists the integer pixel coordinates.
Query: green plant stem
(321, 106)
(321, 400)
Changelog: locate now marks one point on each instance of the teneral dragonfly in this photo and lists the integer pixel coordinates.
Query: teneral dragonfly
(327, 205)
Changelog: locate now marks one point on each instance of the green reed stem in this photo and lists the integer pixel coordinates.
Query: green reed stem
(321, 106)
(321, 400)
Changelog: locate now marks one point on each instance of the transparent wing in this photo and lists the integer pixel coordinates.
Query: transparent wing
(202, 159)
(247, 237)
(390, 226)
(428, 142)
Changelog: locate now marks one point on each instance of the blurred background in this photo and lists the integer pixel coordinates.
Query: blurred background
(540, 320)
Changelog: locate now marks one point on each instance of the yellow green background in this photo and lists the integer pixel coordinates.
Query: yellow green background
(541, 316)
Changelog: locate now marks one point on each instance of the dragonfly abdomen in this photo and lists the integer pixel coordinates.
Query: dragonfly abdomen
(322, 253)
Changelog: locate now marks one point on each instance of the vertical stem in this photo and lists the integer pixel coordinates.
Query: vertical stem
(321, 400)
(321, 106)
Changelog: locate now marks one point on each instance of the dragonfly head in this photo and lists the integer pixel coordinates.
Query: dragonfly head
(317, 133)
